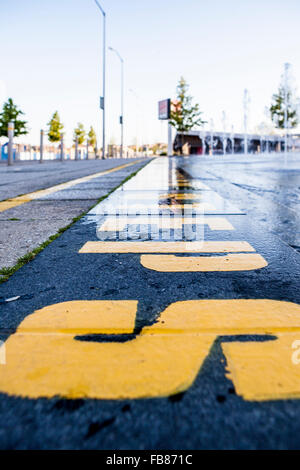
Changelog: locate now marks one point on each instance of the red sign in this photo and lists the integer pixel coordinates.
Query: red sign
(164, 108)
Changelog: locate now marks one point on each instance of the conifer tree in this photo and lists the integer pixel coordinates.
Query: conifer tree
(55, 128)
(284, 101)
(11, 113)
(79, 133)
(184, 114)
(92, 139)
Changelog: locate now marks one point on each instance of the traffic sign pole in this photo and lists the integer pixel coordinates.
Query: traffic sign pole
(170, 143)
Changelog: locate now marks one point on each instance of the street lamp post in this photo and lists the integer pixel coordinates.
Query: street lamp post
(211, 137)
(137, 108)
(122, 99)
(246, 116)
(232, 139)
(102, 101)
(267, 114)
(202, 138)
(224, 121)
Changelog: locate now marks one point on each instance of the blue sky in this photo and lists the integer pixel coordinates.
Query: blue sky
(51, 59)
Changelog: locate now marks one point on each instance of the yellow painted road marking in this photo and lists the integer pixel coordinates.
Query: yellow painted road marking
(230, 262)
(197, 185)
(10, 203)
(155, 195)
(17, 201)
(82, 317)
(205, 206)
(117, 224)
(166, 247)
(189, 184)
(128, 207)
(264, 370)
(45, 360)
(183, 196)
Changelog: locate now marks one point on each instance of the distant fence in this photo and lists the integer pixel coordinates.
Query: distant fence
(29, 152)
(51, 152)
(4, 152)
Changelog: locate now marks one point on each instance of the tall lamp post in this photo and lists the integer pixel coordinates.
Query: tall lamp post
(232, 139)
(122, 99)
(102, 100)
(137, 108)
(246, 117)
(224, 122)
(211, 137)
(286, 105)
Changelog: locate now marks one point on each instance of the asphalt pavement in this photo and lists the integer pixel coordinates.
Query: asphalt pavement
(168, 317)
(38, 200)
(26, 177)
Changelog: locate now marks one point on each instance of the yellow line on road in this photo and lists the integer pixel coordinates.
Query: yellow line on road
(19, 200)
(230, 262)
(45, 358)
(167, 247)
(118, 224)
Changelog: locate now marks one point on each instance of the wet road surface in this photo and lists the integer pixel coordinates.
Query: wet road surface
(167, 318)
(56, 194)
(25, 177)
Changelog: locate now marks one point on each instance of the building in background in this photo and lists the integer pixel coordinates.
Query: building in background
(200, 143)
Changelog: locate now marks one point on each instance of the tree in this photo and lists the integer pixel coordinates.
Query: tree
(93, 139)
(79, 133)
(11, 113)
(155, 149)
(184, 115)
(277, 108)
(55, 128)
